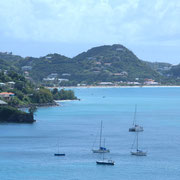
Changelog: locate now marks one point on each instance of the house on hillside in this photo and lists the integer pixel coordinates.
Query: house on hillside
(123, 73)
(52, 75)
(26, 68)
(61, 80)
(26, 73)
(48, 79)
(97, 63)
(105, 83)
(66, 74)
(150, 82)
(2, 84)
(6, 95)
(3, 103)
(120, 49)
(11, 84)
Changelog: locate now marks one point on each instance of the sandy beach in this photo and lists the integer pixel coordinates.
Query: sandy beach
(67, 87)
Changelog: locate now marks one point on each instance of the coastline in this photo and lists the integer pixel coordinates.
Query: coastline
(58, 101)
(53, 104)
(39, 105)
(163, 86)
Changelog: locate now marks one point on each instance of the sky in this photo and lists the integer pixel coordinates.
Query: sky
(151, 29)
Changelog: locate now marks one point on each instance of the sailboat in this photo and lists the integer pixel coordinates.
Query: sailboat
(138, 152)
(135, 128)
(58, 153)
(101, 148)
(105, 161)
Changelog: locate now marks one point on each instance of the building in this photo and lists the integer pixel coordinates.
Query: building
(26, 68)
(53, 75)
(48, 79)
(66, 74)
(3, 103)
(150, 82)
(117, 74)
(26, 73)
(6, 95)
(2, 84)
(133, 83)
(11, 84)
(105, 83)
(120, 49)
(61, 80)
(81, 85)
(123, 73)
(98, 63)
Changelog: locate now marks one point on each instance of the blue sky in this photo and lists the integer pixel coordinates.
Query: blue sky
(151, 29)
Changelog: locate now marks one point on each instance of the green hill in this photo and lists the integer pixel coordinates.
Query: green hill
(43, 66)
(174, 71)
(160, 67)
(8, 61)
(106, 63)
(103, 63)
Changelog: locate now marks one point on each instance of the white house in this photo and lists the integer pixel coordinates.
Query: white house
(61, 80)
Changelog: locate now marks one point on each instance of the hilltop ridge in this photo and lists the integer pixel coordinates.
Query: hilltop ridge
(107, 63)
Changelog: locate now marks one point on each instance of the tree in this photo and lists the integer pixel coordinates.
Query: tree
(55, 91)
(32, 109)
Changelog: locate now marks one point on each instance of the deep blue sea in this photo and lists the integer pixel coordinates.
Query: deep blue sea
(27, 150)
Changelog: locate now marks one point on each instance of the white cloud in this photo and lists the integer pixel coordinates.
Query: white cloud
(94, 21)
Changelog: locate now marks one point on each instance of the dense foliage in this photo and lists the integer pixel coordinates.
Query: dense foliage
(11, 114)
(27, 93)
(96, 65)
(63, 94)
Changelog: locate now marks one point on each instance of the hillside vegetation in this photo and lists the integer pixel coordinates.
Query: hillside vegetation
(27, 93)
(100, 64)
(12, 115)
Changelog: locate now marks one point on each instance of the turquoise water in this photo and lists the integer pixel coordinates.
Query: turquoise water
(26, 150)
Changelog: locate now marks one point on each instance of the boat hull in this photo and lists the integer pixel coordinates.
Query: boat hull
(100, 151)
(136, 129)
(110, 163)
(139, 153)
(59, 154)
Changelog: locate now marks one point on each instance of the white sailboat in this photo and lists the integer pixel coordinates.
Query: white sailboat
(138, 152)
(135, 128)
(101, 148)
(105, 161)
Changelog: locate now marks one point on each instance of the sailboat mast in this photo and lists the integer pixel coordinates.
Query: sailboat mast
(134, 122)
(100, 135)
(137, 141)
(58, 147)
(104, 146)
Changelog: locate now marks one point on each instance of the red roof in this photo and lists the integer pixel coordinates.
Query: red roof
(10, 93)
